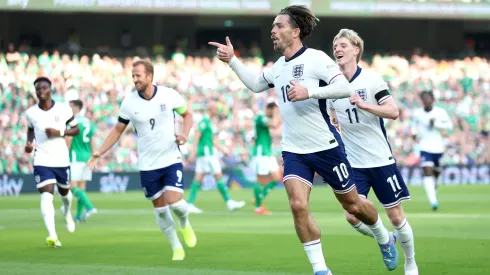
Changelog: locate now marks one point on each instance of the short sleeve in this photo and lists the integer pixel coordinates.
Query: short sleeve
(69, 118)
(93, 129)
(30, 125)
(178, 102)
(325, 68)
(124, 113)
(381, 91)
(263, 121)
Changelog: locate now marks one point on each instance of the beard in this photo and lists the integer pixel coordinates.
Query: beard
(141, 87)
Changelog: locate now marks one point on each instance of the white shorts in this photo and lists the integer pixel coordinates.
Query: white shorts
(208, 165)
(80, 172)
(263, 165)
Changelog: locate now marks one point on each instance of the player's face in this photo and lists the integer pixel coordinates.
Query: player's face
(282, 33)
(344, 51)
(141, 79)
(428, 101)
(269, 112)
(43, 90)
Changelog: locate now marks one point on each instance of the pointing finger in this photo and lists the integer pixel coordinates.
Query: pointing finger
(216, 44)
(228, 41)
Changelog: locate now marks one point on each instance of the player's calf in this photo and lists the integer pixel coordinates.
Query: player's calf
(404, 234)
(358, 225)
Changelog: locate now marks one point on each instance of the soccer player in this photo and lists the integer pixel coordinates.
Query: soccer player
(151, 111)
(81, 148)
(429, 123)
(364, 135)
(207, 162)
(303, 79)
(47, 123)
(263, 162)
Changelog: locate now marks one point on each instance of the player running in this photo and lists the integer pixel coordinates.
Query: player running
(47, 124)
(151, 111)
(263, 162)
(429, 123)
(364, 135)
(303, 79)
(207, 162)
(81, 148)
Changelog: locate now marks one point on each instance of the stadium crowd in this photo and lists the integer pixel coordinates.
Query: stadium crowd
(462, 87)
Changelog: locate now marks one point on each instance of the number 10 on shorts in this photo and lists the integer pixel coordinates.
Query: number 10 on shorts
(342, 172)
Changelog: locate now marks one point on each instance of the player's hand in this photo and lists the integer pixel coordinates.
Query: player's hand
(29, 147)
(355, 99)
(50, 132)
(297, 92)
(224, 52)
(94, 160)
(180, 139)
(432, 122)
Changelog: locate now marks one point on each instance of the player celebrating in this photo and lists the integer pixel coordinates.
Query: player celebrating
(263, 162)
(47, 123)
(429, 122)
(151, 111)
(368, 151)
(207, 162)
(310, 142)
(81, 148)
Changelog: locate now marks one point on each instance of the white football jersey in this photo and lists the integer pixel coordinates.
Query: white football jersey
(154, 122)
(306, 124)
(431, 139)
(50, 151)
(363, 133)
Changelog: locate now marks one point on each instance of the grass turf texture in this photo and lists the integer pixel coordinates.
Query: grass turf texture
(124, 238)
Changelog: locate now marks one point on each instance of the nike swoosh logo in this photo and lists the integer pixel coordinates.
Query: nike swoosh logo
(278, 76)
(178, 184)
(407, 241)
(136, 113)
(333, 100)
(344, 185)
(398, 194)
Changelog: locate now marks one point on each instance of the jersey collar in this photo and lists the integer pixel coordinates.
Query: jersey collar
(154, 93)
(52, 105)
(358, 72)
(298, 53)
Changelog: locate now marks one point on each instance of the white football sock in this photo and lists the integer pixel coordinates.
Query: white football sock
(47, 210)
(180, 209)
(380, 232)
(405, 235)
(166, 223)
(314, 252)
(67, 202)
(430, 189)
(363, 229)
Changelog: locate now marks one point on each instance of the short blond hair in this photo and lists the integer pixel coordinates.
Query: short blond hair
(353, 38)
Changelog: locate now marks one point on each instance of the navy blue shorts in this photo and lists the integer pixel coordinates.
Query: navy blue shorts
(386, 181)
(52, 175)
(330, 164)
(430, 159)
(156, 182)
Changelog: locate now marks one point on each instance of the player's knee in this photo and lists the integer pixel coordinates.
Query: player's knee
(352, 208)
(298, 206)
(351, 218)
(428, 172)
(396, 215)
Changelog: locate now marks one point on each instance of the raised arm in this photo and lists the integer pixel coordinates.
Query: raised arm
(256, 83)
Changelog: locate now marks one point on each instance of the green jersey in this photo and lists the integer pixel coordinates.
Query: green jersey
(81, 148)
(205, 143)
(263, 139)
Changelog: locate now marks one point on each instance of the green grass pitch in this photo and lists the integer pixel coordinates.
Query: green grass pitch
(124, 239)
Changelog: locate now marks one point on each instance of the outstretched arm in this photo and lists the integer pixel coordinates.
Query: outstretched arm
(256, 83)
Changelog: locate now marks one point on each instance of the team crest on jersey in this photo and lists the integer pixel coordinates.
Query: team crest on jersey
(298, 71)
(362, 93)
(56, 119)
(162, 106)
